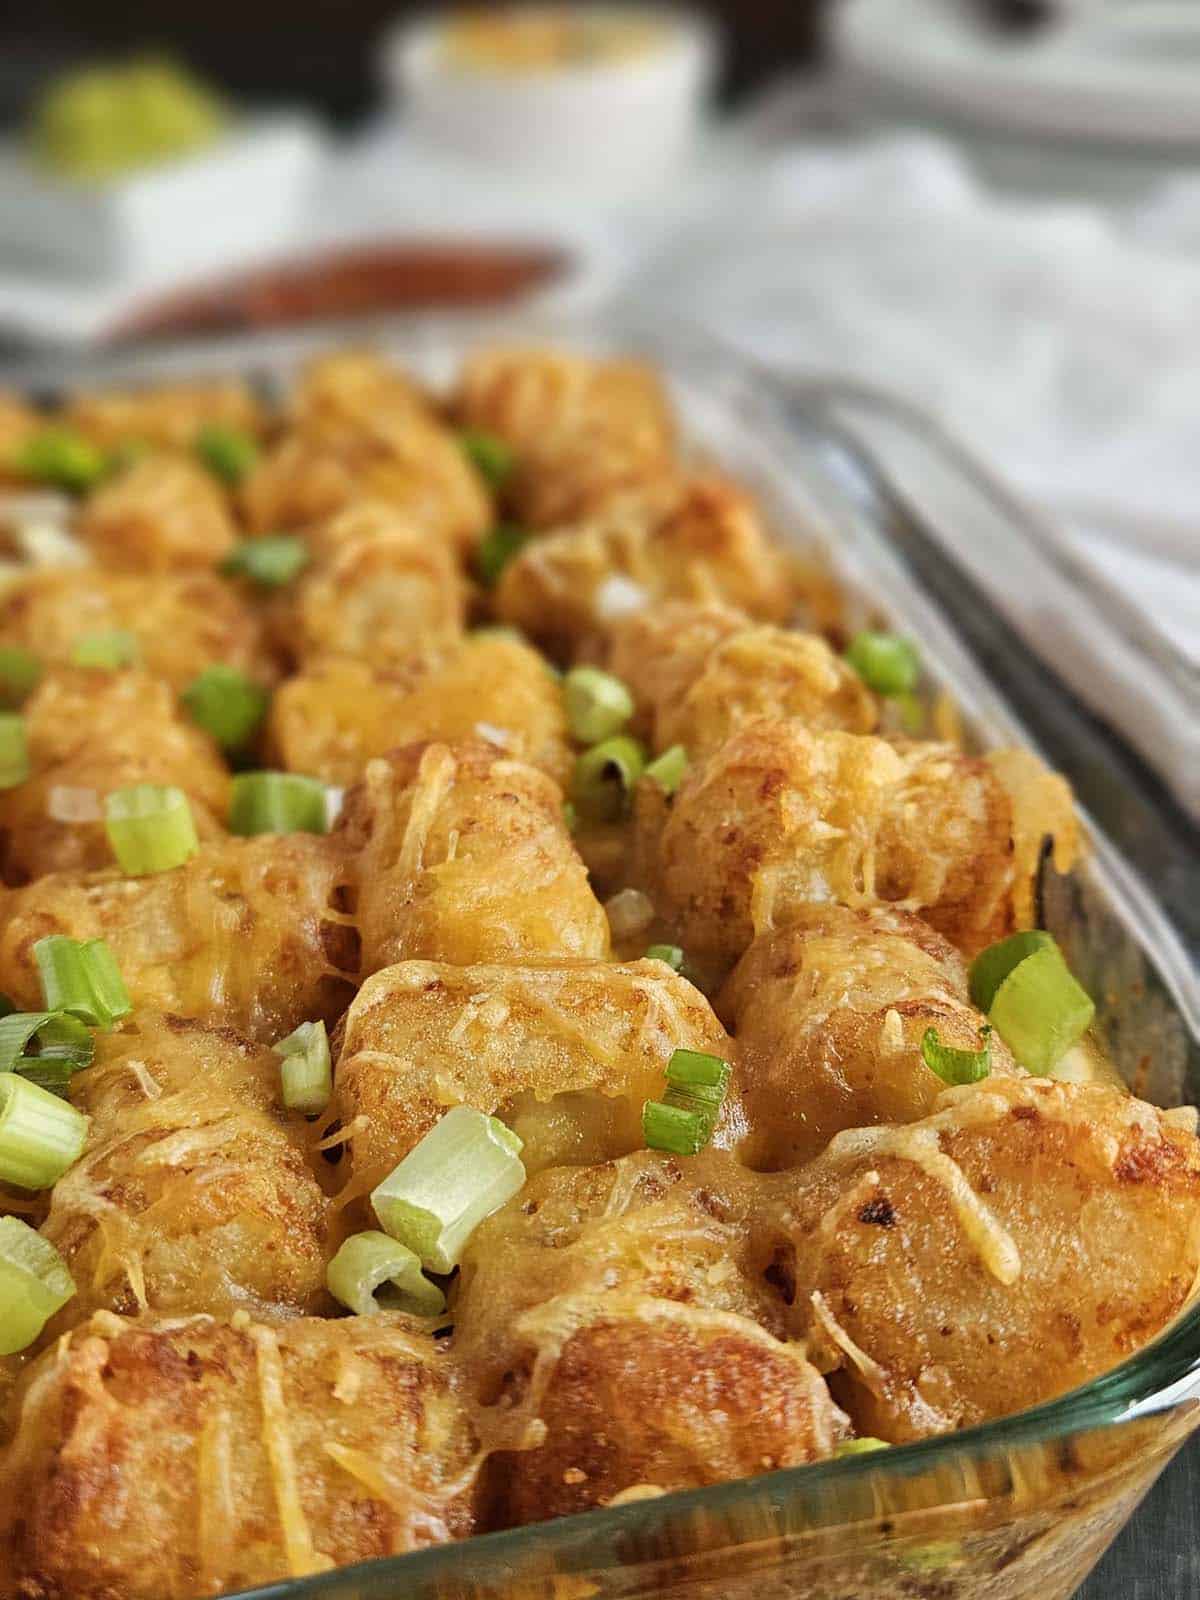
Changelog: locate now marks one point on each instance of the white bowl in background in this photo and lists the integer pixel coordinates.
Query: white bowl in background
(240, 196)
(625, 122)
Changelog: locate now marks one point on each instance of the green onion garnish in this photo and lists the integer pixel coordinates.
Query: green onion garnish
(82, 979)
(227, 704)
(604, 776)
(64, 1047)
(911, 713)
(305, 1071)
(64, 458)
(277, 802)
(107, 650)
(957, 1066)
(271, 561)
(597, 704)
(991, 966)
(41, 1135)
(34, 1284)
(20, 673)
(150, 827)
(496, 550)
(670, 953)
(1040, 1011)
(490, 455)
(859, 1447)
(14, 752)
(365, 1262)
(465, 1167)
(668, 769)
(886, 663)
(227, 452)
(671, 1128)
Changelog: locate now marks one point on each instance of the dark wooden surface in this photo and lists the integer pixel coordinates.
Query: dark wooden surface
(1157, 1557)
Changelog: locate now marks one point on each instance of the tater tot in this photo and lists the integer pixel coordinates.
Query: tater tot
(626, 1307)
(699, 672)
(182, 622)
(88, 733)
(163, 514)
(377, 588)
(166, 416)
(697, 538)
(244, 934)
(580, 428)
(167, 1460)
(333, 718)
(193, 1193)
(829, 1013)
(778, 817)
(460, 854)
(361, 431)
(1025, 1237)
(565, 1053)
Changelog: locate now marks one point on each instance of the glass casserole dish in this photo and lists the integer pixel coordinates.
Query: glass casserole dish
(1018, 1507)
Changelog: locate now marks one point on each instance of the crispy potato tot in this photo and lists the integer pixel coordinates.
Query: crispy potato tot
(378, 588)
(335, 717)
(698, 672)
(565, 1053)
(581, 429)
(778, 817)
(183, 622)
(1025, 1237)
(362, 431)
(163, 514)
(167, 1460)
(696, 538)
(460, 854)
(245, 934)
(194, 1193)
(829, 1014)
(166, 416)
(89, 733)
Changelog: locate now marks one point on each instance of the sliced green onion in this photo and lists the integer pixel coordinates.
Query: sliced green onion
(227, 704)
(108, 649)
(597, 704)
(671, 1128)
(20, 673)
(991, 966)
(366, 1261)
(34, 1284)
(277, 802)
(64, 1047)
(306, 1071)
(82, 978)
(150, 827)
(490, 455)
(496, 550)
(698, 1082)
(62, 457)
(911, 713)
(14, 752)
(859, 1447)
(670, 953)
(465, 1168)
(604, 777)
(272, 561)
(1040, 1011)
(668, 769)
(884, 662)
(41, 1135)
(957, 1066)
(227, 452)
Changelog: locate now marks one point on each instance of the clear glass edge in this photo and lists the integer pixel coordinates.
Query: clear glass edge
(1163, 1376)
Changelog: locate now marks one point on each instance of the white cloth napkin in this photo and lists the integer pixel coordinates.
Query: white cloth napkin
(1060, 341)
